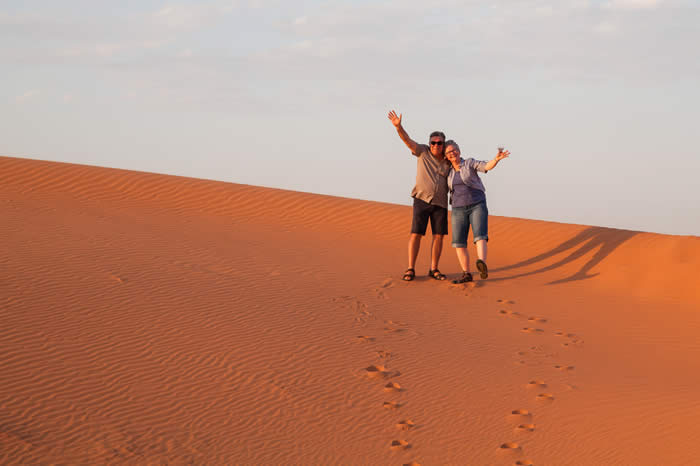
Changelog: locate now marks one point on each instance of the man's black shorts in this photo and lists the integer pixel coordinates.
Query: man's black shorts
(422, 211)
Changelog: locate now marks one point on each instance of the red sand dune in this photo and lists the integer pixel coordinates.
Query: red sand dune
(157, 319)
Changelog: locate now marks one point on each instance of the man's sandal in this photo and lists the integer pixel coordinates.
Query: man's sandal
(466, 277)
(409, 275)
(481, 265)
(436, 275)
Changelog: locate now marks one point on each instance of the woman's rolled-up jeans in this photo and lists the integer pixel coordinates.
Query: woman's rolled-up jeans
(476, 215)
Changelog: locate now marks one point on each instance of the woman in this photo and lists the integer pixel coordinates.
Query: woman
(468, 199)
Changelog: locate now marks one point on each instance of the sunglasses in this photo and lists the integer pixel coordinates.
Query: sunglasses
(436, 143)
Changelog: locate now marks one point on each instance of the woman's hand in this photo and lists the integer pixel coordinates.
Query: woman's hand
(502, 155)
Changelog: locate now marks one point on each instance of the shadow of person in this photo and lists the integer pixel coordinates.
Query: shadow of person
(605, 240)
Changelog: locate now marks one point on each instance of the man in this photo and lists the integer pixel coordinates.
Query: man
(429, 197)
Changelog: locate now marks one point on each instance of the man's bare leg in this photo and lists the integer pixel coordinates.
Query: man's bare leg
(436, 251)
(413, 248)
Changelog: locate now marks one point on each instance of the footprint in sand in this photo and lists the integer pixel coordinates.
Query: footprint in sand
(385, 285)
(412, 463)
(510, 446)
(531, 330)
(360, 307)
(117, 278)
(564, 368)
(524, 463)
(536, 384)
(383, 354)
(362, 313)
(521, 413)
(394, 327)
(525, 428)
(574, 339)
(400, 445)
(505, 301)
(539, 320)
(394, 330)
(391, 323)
(465, 286)
(545, 397)
(393, 387)
(391, 405)
(377, 372)
(406, 424)
(364, 338)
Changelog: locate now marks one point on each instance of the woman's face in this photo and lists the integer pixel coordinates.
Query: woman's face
(452, 153)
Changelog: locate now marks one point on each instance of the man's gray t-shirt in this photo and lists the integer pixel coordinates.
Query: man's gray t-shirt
(431, 177)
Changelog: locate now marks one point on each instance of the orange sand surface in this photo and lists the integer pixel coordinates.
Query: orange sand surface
(152, 319)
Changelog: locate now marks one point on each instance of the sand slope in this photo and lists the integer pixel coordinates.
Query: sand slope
(149, 319)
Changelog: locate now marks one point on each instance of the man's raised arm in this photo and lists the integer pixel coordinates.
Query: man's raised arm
(396, 121)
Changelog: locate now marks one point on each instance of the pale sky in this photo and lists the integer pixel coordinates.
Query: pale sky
(596, 100)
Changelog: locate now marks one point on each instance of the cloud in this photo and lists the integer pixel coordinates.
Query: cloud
(72, 35)
(190, 16)
(544, 10)
(27, 95)
(605, 27)
(367, 41)
(633, 4)
(575, 39)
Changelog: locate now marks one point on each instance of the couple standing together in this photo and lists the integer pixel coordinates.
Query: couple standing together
(441, 169)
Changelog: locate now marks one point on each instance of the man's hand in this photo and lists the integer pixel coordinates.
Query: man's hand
(395, 120)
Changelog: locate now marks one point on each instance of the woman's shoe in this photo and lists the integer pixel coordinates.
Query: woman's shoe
(466, 277)
(483, 270)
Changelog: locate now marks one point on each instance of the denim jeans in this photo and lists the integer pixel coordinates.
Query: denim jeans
(476, 215)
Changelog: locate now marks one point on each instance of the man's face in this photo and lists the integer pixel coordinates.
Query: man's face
(437, 145)
(452, 153)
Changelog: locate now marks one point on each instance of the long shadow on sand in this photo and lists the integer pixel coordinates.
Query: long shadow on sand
(605, 239)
